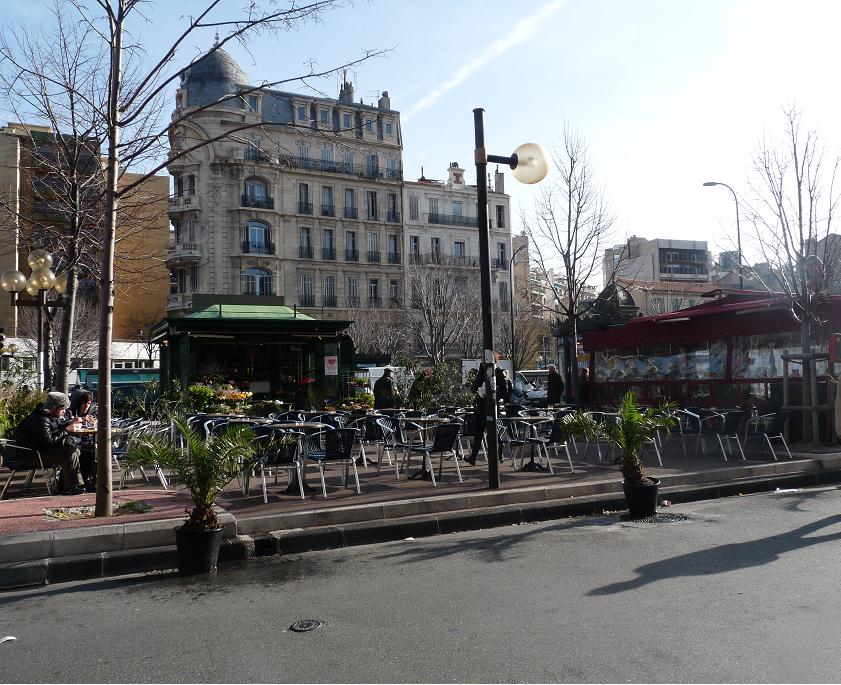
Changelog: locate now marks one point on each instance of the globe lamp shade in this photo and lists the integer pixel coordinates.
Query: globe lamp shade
(43, 278)
(12, 349)
(31, 287)
(40, 259)
(13, 281)
(61, 283)
(531, 164)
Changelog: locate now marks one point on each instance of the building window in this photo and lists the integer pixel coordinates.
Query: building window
(253, 151)
(256, 194)
(327, 201)
(500, 216)
(347, 160)
(373, 292)
(173, 283)
(372, 204)
(369, 124)
(302, 112)
(413, 207)
(305, 242)
(391, 208)
(372, 166)
(256, 282)
(328, 246)
(352, 292)
(253, 104)
(304, 202)
(373, 247)
(350, 246)
(458, 248)
(435, 246)
(394, 292)
(257, 238)
(433, 206)
(185, 186)
(194, 279)
(388, 127)
(503, 292)
(391, 169)
(323, 116)
(393, 249)
(329, 291)
(346, 121)
(500, 254)
(306, 295)
(414, 244)
(458, 208)
(304, 155)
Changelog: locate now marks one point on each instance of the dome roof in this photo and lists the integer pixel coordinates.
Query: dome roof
(213, 76)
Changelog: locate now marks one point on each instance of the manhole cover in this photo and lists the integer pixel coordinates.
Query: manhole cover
(305, 625)
(658, 518)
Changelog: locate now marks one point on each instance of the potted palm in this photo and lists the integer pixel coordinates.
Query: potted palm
(632, 430)
(204, 467)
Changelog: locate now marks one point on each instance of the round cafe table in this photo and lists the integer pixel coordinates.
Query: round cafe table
(531, 423)
(304, 427)
(423, 422)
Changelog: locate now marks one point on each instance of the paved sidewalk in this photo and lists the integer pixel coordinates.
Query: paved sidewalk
(35, 548)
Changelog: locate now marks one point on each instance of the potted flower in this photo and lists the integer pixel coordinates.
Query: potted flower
(204, 467)
(629, 433)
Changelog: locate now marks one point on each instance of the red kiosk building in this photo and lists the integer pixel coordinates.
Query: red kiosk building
(727, 352)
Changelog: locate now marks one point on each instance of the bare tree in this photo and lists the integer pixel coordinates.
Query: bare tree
(444, 302)
(530, 330)
(793, 214)
(85, 330)
(375, 331)
(570, 227)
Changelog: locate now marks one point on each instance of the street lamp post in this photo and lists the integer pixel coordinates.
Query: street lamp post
(41, 280)
(513, 337)
(528, 165)
(738, 232)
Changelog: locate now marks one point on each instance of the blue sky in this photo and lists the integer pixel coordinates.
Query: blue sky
(667, 94)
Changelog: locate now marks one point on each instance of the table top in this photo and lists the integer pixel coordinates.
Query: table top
(306, 424)
(420, 420)
(532, 419)
(84, 431)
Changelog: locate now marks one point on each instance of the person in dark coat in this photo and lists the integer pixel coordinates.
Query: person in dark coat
(384, 391)
(45, 430)
(479, 412)
(80, 407)
(554, 386)
(584, 387)
(503, 386)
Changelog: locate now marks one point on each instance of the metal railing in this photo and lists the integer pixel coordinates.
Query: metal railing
(306, 300)
(499, 263)
(328, 210)
(304, 207)
(452, 220)
(352, 302)
(328, 253)
(305, 251)
(374, 303)
(440, 259)
(328, 301)
(393, 257)
(351, 255)
(257, 247)
(351, 213)
(256, 201)
(393, 217)
(373, 255)
(344, 168)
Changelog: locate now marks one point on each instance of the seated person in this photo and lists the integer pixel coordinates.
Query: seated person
(80, 407)
(44, 430)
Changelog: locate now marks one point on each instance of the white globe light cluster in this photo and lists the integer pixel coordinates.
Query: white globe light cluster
(41, 278)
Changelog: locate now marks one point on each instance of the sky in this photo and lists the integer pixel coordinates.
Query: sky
(667, 93)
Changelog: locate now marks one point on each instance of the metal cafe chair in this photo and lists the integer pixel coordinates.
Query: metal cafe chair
(556, 440)
(18, 458)
(336, 446)
(444, 443)
(272, 456)
(730, 431)
(468, 431)
(508, 437)
(770, 427)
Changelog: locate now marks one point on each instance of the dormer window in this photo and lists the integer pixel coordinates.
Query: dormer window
(302, 113)
(253, 104)
(323, 116)
(346, 121)
(388, 127)
(369, 123)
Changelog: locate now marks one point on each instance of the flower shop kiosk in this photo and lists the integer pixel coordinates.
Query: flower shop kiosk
(272, 351)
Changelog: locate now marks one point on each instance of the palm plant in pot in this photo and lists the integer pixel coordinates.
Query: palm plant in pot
(630, 433)
(204, 467)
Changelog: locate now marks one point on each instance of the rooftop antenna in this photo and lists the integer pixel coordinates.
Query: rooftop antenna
(216, 44)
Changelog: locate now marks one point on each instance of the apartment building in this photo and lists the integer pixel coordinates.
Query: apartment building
(658, 260)
(441, 226)
(299, 204)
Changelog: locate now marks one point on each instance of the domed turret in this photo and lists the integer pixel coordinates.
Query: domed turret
(212, 77)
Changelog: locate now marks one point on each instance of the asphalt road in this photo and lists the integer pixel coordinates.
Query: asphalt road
(746, 589)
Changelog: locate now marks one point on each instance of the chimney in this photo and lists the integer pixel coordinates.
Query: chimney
(499, 181)
(346, 91)
(456, 175)
(385, 101)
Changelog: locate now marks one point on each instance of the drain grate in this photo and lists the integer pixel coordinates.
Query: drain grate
(305, 625)
(659, 518)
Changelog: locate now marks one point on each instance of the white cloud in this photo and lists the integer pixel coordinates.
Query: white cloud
(521, 32)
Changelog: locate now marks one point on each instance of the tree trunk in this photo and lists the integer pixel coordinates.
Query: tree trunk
(572, 369)
(104, 503)
(65, 343)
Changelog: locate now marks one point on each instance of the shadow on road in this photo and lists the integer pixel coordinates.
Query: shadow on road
(724, 558)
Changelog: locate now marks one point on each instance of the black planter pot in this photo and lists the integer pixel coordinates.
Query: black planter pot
(641, 498)
(198, 550)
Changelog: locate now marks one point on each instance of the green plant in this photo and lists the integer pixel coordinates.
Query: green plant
(16, 403)
(200, 396)
(204, 467)
(439, 386)
(630, 432)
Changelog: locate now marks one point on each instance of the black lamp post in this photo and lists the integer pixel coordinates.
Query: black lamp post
(513, 337)
(41, 280)
(738, 232)
(528, 164)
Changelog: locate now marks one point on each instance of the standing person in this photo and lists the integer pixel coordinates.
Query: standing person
(584, 387)
(479, 412)
(44, 430)
(503, 386)
(384, 391)
(554, 386)
(80, 407)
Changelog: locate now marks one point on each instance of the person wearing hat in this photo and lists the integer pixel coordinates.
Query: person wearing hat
(384, 391)
(44, 430)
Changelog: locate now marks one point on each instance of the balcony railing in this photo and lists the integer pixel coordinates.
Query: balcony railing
(352, 302)
(437, 258)
(499, 263)
(351, 255)
(305, 208)
(182, 252)
(374, 303)
(306, 300)
(393, 257)
(344, 168)
(351, 213)
(183, 202)
(393, 217)
(452, 220)
(257, 247)
(257, 201)
(373, 256)
(395, 302)
(328, 301)
(255, 154)
(328, 210)
(305, 251)
(328, 253)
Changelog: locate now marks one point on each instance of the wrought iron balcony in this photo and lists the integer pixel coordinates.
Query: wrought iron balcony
(182, 252)
(257, 201)
(305, 208)
(352, 302)
(351, 255)
(328, 301)
(328, 210)
(393, 217)
(257, 247)
(499, 263)
(305, 251)
(344, 168)
(351, 213)
(373, 256)
(452, 220)
(328, 253)
(393, 257)
(374, 303)
(306, 300)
